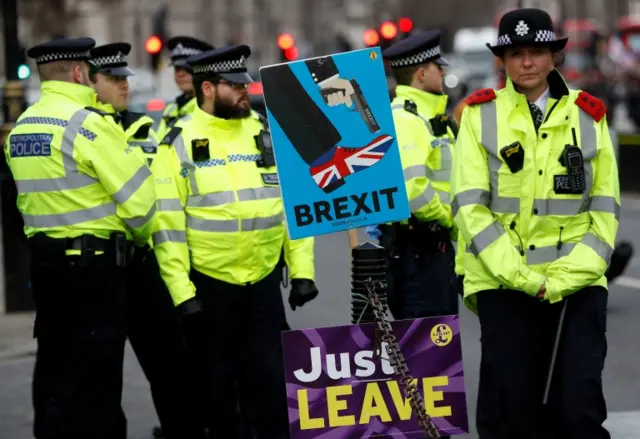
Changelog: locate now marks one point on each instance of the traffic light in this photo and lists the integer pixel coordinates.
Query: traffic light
(24, 71)
(153, 46)
(155, 43)
(287, 46)
(405, 25)
(388, 32)
(371, 37)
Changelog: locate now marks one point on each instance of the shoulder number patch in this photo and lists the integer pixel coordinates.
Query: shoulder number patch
(200, 150)
(270, 178)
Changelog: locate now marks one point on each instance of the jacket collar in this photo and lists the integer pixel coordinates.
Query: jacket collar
(557, 88)
(427, 103)
(203, 118)
(83, 95)
(558, 91)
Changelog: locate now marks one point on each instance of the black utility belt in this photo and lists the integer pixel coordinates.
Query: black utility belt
(88, 245)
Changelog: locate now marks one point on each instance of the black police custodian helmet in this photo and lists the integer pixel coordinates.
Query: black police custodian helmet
(73, 49)
(230, 63)
(525, 27)
(417, 49)
(182, 47)
(110, 59)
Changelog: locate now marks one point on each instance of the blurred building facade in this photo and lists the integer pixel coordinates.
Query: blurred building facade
(314, 23)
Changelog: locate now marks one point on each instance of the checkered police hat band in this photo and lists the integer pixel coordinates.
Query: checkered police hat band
(222, 66)
(109, 60)
(417, 58)
(62, 56)
(181, 52)
(542, 36)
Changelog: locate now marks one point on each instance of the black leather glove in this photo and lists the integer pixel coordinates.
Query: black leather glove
(193, 322)
(302, 291)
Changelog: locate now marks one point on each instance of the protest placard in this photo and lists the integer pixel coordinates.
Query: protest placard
(335, 143)
(337, 388)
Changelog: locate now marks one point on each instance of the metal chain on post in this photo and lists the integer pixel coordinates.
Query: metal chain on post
(384, 334)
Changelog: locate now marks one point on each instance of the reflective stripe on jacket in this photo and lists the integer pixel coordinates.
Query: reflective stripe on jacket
(79, 179)
(218, 212)
(521, 232)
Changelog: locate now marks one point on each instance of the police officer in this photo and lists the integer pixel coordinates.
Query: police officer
(154, 331)
(536, 197)
(181, 48)
(221, 171)
(423, 280)
(85, 203)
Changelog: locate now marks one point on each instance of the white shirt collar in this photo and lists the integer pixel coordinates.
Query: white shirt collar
(541, 102)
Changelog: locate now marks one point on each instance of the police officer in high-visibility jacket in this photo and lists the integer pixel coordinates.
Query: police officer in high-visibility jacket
(181, 48)
(423, 280)
(86, 204)
(220, 233)
(536, 198)
(154, 330)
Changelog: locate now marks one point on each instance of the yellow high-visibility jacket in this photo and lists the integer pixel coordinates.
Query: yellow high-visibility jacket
(523, 230)
(72, 170)
(218, 212)
(426, 155)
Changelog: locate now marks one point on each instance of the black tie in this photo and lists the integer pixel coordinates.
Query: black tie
(536, 114)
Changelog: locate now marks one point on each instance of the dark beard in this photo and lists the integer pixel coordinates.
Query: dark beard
(223, 110)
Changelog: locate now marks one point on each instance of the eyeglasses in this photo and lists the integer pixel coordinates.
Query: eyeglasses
(235, 85)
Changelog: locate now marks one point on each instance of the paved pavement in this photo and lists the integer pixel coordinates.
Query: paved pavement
(622, 374)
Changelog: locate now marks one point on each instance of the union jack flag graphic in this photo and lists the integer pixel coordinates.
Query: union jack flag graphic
(341, 162)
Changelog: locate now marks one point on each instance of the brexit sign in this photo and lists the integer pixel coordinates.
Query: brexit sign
(335, 143)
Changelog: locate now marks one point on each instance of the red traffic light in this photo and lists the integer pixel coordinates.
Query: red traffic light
(286, 41)
(388, 30)
(405, 24)
(371, 37)
(291, 53)
(153, 45)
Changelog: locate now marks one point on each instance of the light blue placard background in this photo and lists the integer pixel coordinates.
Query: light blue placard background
(296, 182)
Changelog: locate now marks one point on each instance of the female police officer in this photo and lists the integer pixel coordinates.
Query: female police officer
(536, 198)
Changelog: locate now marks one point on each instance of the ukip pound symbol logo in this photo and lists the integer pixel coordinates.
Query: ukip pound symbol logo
(522, 28)
(441, 335)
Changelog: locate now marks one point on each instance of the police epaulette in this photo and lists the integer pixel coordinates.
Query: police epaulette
(263, 120)
(116, 117)
(97, 110)
(411, 107)
(171, 136)
(481, 96)
(591, 105)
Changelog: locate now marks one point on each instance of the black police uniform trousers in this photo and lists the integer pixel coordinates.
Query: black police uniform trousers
(422, 283)
(518, 334)
(157, 339)
(243, 325)
(81, 314)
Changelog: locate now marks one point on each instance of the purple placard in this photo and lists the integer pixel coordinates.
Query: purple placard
(330, 403)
